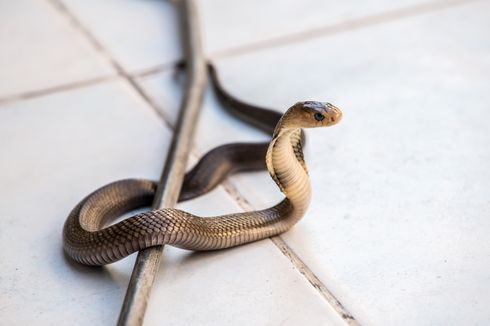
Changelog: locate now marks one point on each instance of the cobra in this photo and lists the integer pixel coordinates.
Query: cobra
(88, 240)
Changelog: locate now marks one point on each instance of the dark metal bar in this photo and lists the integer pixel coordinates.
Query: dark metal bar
(148, 260)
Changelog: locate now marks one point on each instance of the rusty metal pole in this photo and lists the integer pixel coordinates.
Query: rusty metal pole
(148, 260)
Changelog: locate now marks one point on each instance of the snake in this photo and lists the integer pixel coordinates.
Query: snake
(90, 239)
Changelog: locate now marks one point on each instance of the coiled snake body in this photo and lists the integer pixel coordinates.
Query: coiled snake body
(87, 241)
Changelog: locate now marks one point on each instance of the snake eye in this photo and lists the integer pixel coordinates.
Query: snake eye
(318, 116)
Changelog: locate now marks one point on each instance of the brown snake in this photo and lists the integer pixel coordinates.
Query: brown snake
(87, 241)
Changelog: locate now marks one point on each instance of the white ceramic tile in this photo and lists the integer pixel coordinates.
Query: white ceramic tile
(144, 34)
(40, 49)
(138, 34)
(233, 23)
(252, 284)
(215, 126)
(62, 147)
(57, 149)
(398, 224)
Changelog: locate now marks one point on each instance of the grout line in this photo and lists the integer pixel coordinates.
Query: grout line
(57, 89)
(341, 27)
(155, 69)
(239, 50)
(295, 260)
(283, 40)
(314, 281)
(229, 188)
(309, 34)
(105, 53)
(89, 82)
(150, 102)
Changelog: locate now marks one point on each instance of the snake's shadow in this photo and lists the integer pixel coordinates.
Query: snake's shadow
(103, 273)
(195, 259)
(106, 273)
(79, 268)
(200, 255)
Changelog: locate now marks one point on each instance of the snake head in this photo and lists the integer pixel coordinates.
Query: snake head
(311, 114)
(308, 114)
(319, 114)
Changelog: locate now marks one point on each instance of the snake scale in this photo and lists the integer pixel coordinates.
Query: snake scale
(88, 240)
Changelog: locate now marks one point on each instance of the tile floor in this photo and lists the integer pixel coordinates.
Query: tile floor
(398, 227)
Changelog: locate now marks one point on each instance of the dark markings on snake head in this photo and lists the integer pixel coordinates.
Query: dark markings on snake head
(314, 105)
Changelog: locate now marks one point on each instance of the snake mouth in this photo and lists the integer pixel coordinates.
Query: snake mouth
(333, 113)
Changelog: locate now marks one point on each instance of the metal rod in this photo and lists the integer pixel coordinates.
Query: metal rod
(148, 260)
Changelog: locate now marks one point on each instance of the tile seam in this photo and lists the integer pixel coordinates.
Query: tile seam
(41, 92)
(345, 26)
(278, 41)
(295, 260)
(236, 196)
(321, 31)
(338, 28)
(77, 24)
(56, 89)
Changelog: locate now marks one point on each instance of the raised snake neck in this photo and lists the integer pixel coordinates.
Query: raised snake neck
(88, 242)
